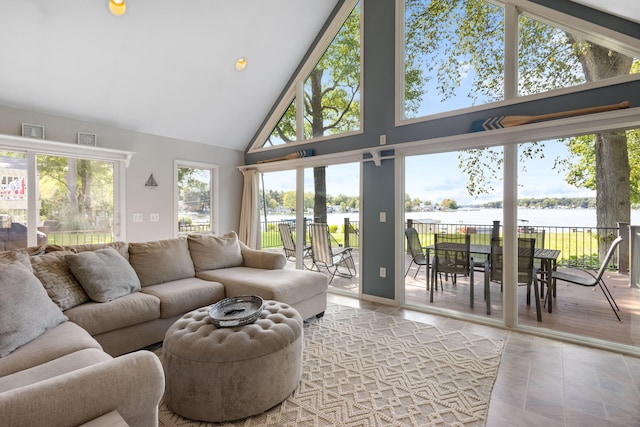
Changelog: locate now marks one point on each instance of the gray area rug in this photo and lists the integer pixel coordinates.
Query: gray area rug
(364, 368)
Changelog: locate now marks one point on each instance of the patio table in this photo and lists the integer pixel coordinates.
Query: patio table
(548, 263)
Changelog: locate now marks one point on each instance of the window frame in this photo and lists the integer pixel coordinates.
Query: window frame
(214, 194)
(295, 90)
(33, 147)
(513, 9)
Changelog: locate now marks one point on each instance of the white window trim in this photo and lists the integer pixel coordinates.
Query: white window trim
(296, 90)
(33, 147)
(618, 41)
(214, 192)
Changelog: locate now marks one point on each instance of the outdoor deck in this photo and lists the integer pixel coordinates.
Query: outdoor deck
(576, 310)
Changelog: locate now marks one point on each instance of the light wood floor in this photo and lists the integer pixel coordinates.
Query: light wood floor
(576, 310)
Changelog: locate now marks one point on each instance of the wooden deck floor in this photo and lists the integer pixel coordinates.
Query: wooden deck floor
(576, 310)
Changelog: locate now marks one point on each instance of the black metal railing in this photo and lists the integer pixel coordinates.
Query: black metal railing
(579, 246)
(347, 234)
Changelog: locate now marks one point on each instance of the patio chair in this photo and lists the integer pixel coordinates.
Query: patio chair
(288, 243)
(539, 236)
(334, 260)
(453, 256)
(417, 252)
(527, 272)
(590, 279)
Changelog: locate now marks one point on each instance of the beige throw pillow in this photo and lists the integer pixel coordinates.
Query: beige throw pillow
(161, 261)
(212, 252)
(27, 312)
(56, 277)
(8, 257)
(104, 274)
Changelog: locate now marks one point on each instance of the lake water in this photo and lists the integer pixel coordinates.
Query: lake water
(533, 217)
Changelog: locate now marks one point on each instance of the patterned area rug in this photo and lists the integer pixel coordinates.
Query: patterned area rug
(364, 368)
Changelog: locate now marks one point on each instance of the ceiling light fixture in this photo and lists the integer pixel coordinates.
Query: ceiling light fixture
(117, 7)
(241, 63)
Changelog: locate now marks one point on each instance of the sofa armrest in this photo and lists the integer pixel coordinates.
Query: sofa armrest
(262, 259)
(132, 385)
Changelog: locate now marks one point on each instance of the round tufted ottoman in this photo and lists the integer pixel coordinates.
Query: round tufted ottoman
(223, 374)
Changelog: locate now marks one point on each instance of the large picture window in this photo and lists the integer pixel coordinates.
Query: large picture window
(455, 54)
(70, 195)
(324, 100)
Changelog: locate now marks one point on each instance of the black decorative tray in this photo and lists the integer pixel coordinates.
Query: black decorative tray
(236, 311)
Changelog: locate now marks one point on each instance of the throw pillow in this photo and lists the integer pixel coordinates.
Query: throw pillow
(104, 274)
(212, 252)
(27, 311)
(58, 280)
(8, 257)
(161, 260)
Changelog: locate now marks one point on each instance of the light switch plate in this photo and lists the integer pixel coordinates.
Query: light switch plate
(154, 217)
(383, 217)
(138, 217)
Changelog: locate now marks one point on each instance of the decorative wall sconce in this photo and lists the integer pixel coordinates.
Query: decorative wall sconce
(33, 131)
(87, 139)
(151, 182)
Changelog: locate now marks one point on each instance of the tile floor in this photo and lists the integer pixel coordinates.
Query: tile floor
(547, 383)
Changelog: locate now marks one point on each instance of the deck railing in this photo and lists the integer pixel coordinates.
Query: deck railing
(347, 234)
(578, 246)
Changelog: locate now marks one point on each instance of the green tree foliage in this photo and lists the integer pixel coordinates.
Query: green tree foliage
(194, 190)
(75, 191)
(449, 204)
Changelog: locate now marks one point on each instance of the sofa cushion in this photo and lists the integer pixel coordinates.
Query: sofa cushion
(54, 367)
(7, 257)
(56, 277)
(161, 261)
(104, 274)
(66, 338)
(288, 286)
(27, 312)
(181, 296)
(211, 252)
(125, 311)
(121, 247)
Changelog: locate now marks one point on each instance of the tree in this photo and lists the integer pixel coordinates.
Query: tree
(331, 101)
(449, 204)
(74, 189)
(470, 32)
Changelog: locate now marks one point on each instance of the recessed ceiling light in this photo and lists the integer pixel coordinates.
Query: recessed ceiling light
(241, 63)
(117, 7)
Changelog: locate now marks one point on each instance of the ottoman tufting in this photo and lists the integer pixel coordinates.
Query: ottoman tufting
(223, 374)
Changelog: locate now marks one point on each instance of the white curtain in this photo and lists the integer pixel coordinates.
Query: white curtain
(250, 214)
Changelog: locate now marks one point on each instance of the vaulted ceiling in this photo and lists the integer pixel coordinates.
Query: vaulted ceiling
(166, 67)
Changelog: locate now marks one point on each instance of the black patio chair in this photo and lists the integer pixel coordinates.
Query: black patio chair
(417, 252)
(527, 272)
(453, 257)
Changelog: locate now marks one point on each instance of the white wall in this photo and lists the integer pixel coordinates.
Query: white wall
(153, 154)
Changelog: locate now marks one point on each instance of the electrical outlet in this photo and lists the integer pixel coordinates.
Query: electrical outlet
(138, 217)
(154, 217)
(383, 139)
(383, 217)
(383, 272)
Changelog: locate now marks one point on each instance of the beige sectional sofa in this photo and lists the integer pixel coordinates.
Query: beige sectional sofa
(76, 358)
